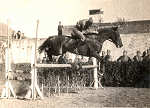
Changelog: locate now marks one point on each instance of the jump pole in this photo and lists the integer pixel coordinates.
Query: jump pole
(94, 66)
(8, 87)
(96, 82)
(34, 89)
(95, 74)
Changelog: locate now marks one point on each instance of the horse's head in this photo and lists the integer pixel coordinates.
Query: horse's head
(111, 34)
(115, 37)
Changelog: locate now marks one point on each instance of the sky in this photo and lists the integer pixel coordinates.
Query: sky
(23, 14)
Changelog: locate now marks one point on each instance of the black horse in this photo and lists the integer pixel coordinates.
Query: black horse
(58, 45)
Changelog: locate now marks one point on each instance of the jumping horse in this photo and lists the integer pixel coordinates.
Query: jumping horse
(59, 45)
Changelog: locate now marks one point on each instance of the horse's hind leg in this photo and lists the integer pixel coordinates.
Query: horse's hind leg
(50, 58)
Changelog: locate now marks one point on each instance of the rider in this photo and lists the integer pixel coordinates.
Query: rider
(81, 27)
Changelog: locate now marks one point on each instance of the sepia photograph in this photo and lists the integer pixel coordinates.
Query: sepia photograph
(74, 53)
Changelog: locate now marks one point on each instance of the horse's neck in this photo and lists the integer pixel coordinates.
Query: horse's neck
(103, 37)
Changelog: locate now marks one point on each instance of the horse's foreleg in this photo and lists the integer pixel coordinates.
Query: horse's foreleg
(97, 56)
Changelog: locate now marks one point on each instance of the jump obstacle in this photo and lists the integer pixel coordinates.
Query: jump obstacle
(8, 89)
(34, 89)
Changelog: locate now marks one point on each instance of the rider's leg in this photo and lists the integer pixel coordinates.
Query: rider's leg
(78, 34)
(60, 50)
(94, 50)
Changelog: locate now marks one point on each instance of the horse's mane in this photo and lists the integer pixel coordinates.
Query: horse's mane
(106, 29)
(90, 33)
(101, 30)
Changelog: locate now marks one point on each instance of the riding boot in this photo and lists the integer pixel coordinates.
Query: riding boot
(60, 51)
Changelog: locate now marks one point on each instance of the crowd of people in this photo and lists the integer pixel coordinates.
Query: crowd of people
(139, 57)
(106, 56)
(17, 35)
(126, 71)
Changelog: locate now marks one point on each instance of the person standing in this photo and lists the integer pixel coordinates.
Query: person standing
(124, 57)
(102, 64)
(138, 57)
(146, 64)
(13, 35)
(108, 57)
(124, 72)
(18, 35)
(60, 29)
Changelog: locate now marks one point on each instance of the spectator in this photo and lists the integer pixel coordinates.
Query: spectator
(60, 29)
(103, 59)
(108, 57)
(144, 54)
(147, 57)
(102, 64)
(124, 57)
(138, 57)
(103, 54)
(13, 35)
(18, 35)
(146, 62)
(147, 52)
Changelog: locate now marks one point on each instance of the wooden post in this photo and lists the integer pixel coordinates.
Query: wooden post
(34, 88)
(58, 82)
(35, 62)
(8, 87)
(67, 82)
(95, 74)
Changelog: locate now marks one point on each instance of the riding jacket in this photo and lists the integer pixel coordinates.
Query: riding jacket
(81, 27)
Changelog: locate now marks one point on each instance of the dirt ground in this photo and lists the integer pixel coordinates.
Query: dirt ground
(87, 98)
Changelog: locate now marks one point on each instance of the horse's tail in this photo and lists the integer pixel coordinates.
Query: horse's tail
(44, 45)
